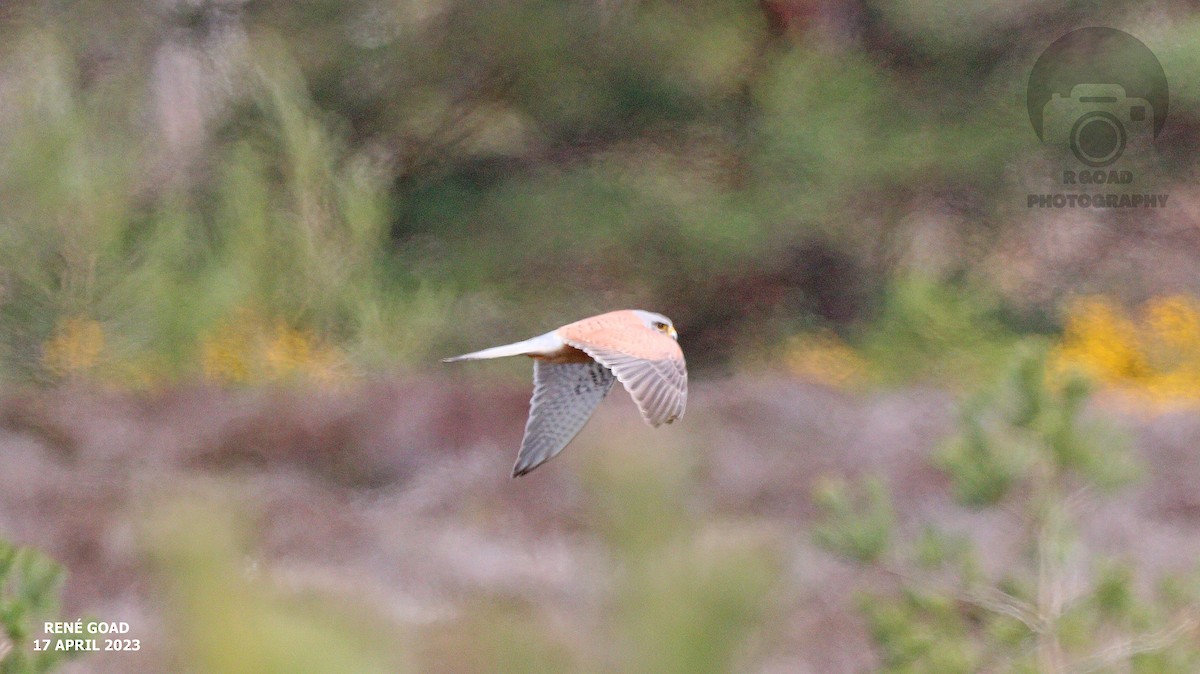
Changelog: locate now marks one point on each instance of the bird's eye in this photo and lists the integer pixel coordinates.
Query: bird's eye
(660, 326)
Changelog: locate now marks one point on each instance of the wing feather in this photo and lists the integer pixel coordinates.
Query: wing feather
(648, 363)
(564, 397)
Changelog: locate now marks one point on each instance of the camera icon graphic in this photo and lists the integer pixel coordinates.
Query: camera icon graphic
(1097, 121)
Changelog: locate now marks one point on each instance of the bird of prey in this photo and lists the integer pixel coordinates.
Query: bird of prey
(575, 366)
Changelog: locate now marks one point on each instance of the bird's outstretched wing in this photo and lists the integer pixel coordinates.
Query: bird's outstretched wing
(564, 397)
(650, 364)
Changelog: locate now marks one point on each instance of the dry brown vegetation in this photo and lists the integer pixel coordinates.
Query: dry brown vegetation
(393, 498)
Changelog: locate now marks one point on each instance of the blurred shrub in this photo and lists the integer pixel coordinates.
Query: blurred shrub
(859, 522)
(239, 350)
(679, 594)
(30, 584)
(686, 600)
(105, 279)
(1025, 431)
(231, 619)
(74, 348)
(1029, 450)
(936, 332)
(925, 330)
(684, 595)
(824, 358)
(373, 175)
(498, 635)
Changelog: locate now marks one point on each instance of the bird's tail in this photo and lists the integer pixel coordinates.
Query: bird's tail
(523, 348)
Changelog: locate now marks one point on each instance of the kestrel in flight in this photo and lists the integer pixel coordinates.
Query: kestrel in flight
(575, 366)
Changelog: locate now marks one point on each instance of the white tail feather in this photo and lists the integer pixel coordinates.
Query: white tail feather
(547, 343)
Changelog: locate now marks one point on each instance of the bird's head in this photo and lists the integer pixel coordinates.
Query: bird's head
(658, 323)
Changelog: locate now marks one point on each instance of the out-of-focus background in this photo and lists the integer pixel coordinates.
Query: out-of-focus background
(930, 429)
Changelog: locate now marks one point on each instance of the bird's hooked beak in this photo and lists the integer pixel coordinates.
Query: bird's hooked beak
(671, 331)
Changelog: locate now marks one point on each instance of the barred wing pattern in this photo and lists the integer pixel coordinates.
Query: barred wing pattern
(564, 397)
(649, 364)
(659, 387)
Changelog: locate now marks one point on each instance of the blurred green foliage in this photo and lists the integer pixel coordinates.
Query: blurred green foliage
(681, 597)
(1027, 448)
(230, 620)
(687, 599)
(30, 583)
(1027, 430)
(937, 332)
(287, 229)
(338, 187)
(380, 174)
(859, 521)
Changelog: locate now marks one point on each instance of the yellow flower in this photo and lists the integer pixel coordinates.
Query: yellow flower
(242, 350)
(291, 352)
(75, 346)
(1173, 333)
(1101, 340)
(825, 359)
(225, 354)
(1154, 357)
